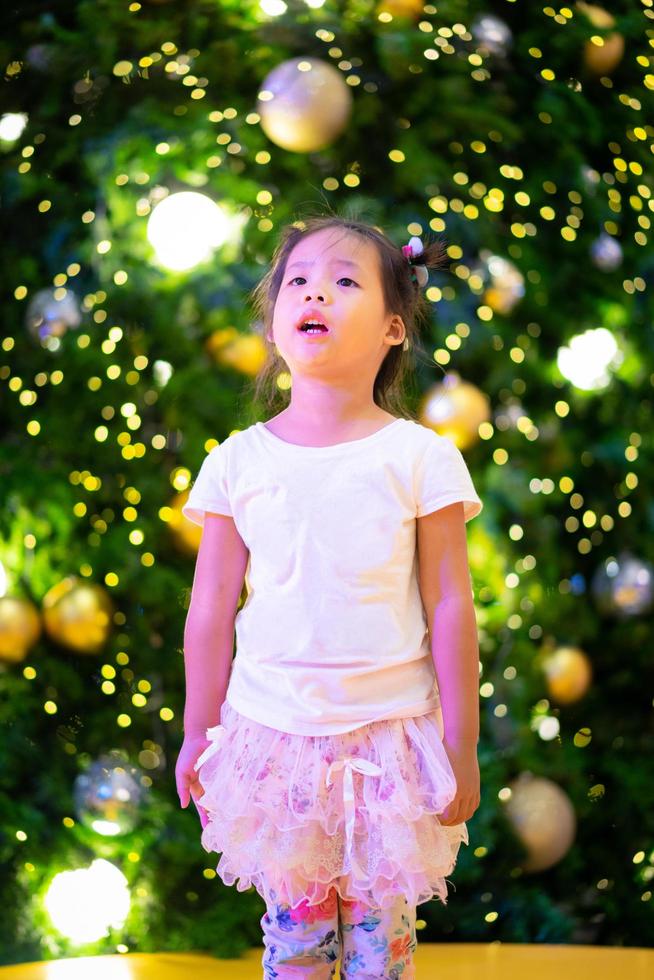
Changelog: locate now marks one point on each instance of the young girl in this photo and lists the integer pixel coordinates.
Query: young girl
(333, 761)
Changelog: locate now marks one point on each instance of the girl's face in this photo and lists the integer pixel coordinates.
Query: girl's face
(337, 275)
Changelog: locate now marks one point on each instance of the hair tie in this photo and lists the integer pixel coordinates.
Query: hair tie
(419, 271)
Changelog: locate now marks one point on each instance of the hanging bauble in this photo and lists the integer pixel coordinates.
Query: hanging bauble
(542, 818)
(491, 35)
(601, 59)
(186, 534)
(20, 627)
(606, 252)
(78, 614)
(400, 9)
(245, 353)
(622, 586)
(590, 179)
(569, 673)
(108, 795)
(51, 315)
(304, 104)
(506, 284)
(41, 57)
(455, 408)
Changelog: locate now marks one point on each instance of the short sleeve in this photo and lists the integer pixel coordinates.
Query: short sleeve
(444, 478)
(209, 491)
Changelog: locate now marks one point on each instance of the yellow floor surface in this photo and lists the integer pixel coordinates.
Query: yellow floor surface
(450, 961)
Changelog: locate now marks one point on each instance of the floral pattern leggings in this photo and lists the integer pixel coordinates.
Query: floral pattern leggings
(307, 941)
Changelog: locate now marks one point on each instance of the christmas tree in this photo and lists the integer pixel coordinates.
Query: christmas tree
(151, 153)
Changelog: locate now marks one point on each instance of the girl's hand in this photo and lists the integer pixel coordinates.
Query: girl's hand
(187, 779)
(463, 759)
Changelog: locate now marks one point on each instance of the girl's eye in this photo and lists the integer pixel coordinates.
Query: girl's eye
(302, 277)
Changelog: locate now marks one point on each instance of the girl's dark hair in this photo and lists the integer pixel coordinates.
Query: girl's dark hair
(402, 296)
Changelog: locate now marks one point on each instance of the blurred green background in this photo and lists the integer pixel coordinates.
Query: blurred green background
(521, 134)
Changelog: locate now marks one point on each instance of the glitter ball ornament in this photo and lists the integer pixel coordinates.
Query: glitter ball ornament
(542, 818)
(304, 105)
(48, 316)
(606, 252)
(108, 795)
(622, 586)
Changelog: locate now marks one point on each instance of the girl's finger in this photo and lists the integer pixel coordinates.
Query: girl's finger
(202, 813)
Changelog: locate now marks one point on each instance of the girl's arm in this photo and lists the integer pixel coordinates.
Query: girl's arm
(446, 591)
(209, 628)
(208, 652)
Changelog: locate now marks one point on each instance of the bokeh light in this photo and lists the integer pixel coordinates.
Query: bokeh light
(184, 229)
(84, 904)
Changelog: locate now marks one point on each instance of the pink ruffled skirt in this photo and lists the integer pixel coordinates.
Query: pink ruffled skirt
(297, 815)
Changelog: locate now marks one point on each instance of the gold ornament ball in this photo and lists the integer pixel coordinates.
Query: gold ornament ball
(20, 627)
(455, 409)
(245, 353)
(542, 818)
(569, 673)
(78, 614)
(187, 535)
(603, 59)
(307, 107)
(398, 9)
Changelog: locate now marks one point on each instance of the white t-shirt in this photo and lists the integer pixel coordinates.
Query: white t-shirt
(333, 633)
